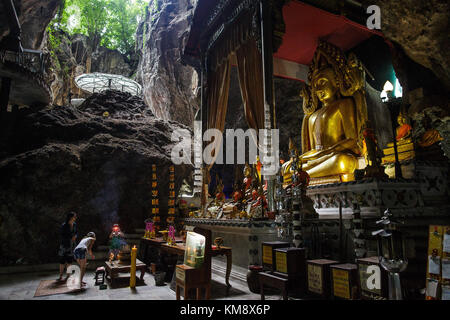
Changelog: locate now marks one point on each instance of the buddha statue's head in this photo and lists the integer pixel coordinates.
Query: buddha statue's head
(324, 85)
(401, 120)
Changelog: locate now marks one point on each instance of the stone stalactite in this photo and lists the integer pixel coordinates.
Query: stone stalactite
(169, 87)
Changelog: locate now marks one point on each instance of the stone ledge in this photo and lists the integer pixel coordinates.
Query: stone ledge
(231, 223)
(29, 268)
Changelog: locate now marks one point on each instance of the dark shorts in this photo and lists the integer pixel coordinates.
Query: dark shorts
(65, 255)
(66, 259)
(80, 253)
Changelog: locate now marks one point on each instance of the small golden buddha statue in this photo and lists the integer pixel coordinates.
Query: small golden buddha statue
(247, 181)
(335, 114)
(286, 168)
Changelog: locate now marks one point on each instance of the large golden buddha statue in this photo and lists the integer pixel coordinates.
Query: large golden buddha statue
(335, 115)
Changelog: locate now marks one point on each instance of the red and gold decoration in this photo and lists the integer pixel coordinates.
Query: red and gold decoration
(149, 230)
(155, 199)
(171, 204)
(171, 236)
(438, 260)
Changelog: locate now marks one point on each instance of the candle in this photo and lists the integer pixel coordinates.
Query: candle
(133, 267)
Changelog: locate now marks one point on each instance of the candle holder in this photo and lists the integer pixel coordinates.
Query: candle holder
(391, 252)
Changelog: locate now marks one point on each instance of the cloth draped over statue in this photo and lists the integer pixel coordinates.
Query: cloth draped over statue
(237, 43)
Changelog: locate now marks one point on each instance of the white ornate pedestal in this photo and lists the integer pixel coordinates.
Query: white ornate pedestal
(377, 195)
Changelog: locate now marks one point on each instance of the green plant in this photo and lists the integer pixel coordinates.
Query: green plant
(110, 23)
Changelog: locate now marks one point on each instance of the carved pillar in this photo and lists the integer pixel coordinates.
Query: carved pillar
(268, 88)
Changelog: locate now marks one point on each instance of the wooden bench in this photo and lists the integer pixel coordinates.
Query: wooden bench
(270, 280)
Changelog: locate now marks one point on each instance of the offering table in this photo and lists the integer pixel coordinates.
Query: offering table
(113, 269)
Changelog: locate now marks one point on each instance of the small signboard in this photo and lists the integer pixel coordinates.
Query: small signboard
(341, 285)
(315, 279)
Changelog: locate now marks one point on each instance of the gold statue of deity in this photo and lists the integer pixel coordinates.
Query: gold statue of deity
(248, 181)
(335, 115)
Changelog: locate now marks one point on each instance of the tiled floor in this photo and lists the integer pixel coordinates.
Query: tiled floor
(23, 287)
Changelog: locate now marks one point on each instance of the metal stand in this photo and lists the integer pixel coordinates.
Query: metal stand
(395, 288)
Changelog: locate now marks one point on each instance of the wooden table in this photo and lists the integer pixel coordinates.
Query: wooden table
(180, 248)
(155, 243)
(113, 269)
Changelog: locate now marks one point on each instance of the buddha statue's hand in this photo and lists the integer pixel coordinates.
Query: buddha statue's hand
(346, 144)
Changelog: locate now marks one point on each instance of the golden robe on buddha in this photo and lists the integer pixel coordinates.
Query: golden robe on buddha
(335, 115)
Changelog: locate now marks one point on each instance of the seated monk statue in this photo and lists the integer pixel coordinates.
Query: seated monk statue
(431, 135)
(404, 129)
(335, 115)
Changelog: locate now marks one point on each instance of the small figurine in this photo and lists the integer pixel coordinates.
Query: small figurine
(237, 194)
(218, 242)
(404, 130)
(111, 257)
(287, 169)
(247, 181)
(117, 241)
(374, 168)
(261, 199)
(254, 195)
(220, 196)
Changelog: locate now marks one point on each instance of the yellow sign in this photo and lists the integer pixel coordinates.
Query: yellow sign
(281, 260)
(267, 254)
(341, 285)
(315, 278)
